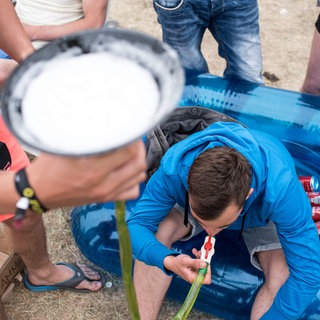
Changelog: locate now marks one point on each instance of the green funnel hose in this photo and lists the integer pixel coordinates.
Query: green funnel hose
(192, 294)
(207, 251)
(126, 259)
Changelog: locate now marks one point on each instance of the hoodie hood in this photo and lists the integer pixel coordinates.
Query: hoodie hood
(233, 135)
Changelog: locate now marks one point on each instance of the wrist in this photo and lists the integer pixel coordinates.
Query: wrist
(28, 197)
(168, 261)
(39, 178)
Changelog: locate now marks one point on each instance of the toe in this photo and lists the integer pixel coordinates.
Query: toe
(90, 273)
(90, 285)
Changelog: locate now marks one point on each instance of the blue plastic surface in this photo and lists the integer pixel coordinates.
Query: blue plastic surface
(293, 118)
(3, 55)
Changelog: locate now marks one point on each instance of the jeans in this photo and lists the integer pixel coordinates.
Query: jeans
(234, 24)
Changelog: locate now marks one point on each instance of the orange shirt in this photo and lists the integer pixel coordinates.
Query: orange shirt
(19, 158)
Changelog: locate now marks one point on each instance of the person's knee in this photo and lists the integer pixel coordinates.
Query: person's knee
(276, 280)
(28, 224)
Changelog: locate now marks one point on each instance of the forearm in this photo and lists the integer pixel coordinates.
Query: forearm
(13, 39)
(94, 17)
(48, 33)
(146, 247)
(66, 181)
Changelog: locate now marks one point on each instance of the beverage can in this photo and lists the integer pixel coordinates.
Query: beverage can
(314, 198)
(309, 183)
(316, 214)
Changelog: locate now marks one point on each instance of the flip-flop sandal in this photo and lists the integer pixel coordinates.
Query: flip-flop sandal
(69, 284)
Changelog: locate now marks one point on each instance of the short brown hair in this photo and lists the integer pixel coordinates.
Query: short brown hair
(219, 177)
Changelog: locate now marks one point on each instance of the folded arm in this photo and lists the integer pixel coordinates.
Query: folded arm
(95, 12)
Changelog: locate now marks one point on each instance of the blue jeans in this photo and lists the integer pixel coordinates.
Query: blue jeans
(233, 23)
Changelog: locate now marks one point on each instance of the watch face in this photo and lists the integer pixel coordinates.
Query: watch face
(92, 92)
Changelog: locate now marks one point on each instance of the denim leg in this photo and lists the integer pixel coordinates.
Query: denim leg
(183, 24)
(235, 26)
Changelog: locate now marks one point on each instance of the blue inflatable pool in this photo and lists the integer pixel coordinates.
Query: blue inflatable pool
(293, 118)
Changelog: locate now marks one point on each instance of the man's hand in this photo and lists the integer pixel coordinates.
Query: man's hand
(67, 181)
(186, 267)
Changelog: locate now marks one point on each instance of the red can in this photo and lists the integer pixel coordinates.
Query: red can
(316, 214)
(314, 198)
(309, 183)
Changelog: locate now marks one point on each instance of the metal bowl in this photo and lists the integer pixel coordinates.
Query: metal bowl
(152, 55)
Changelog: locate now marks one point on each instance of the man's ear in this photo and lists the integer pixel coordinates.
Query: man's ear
(249, 193)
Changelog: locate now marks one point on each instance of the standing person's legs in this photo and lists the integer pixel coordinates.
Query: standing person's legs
(29, 242)
(183, 24)
(311, 82)
(150, 282)
(266, 255)
(235, 26)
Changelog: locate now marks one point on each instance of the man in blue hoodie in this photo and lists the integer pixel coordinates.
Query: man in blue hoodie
(229, 177)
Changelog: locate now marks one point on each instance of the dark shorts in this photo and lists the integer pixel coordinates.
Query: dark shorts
(12, 156)
(261, 239)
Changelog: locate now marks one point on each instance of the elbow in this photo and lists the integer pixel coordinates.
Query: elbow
(96, 22)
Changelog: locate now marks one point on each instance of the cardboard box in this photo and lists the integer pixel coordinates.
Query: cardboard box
(3, 315)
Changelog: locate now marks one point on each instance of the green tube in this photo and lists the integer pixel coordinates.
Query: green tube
(126, 259)
(192, 295)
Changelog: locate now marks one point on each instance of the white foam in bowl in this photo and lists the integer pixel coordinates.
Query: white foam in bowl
(90, 102)
(92, 92)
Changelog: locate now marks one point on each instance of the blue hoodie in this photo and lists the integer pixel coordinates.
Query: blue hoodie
(278, 196)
